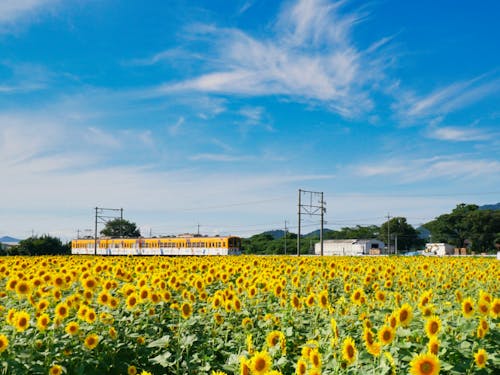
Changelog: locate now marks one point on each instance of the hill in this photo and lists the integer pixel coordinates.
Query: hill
(494, 207)
(8, 239)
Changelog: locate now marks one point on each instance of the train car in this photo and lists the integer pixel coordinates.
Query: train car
(182, 245)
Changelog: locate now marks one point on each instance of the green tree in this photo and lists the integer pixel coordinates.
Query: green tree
(453, 228)
(359, 232)
(44, 245)
(407, 236)
(484, 229)
(120, 228)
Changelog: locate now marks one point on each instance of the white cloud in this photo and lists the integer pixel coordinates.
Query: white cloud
(446, 99)
(459, 134)
(309, 57)
(176, 128)
(13, 10)
(435, 169)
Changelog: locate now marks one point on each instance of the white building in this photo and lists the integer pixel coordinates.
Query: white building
(439, 249)
(349, 247)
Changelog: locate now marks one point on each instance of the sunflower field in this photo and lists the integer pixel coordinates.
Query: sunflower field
(249, 315)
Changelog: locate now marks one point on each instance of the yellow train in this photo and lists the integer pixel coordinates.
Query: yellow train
(182, 245)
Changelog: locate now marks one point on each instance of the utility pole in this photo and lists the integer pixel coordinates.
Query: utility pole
(312, 209)
(388, 233)
(95, 231)
(396, 244)
(298, 228)
(101, 216)
(285, 236)
(322, 209)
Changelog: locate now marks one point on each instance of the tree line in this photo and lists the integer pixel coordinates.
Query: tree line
(466, 226)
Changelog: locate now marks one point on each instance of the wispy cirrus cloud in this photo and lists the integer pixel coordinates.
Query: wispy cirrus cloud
(24, 77)
(309, 56)
(460, 134)
(447, 99)
(450, 167)
(12, 11)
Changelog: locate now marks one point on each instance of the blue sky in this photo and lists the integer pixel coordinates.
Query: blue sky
(216, 112)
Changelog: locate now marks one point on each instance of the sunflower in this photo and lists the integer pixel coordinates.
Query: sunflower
(23, 288)
(42, 322)
(428, 310)
(132, 370)
(368, 336)
(112, 332)
(356, 296)
(425, 298)
(236, 304)
(495, 308)
(249, 344)
(21, 321)
(42, 305)
(218, 318)
(91, 341)
(104, 298)
(315, 358)
(217, 302)
(425, 364)
(89, 283)
(405, 315)
(260, 363)
(144, 293)
(380, 296)
(468, 308)
(72, 328)
(483, 307)
(323, 299)
(4, 343)
(386, 335)
(91, 315)
(393, 320)
(274, 338)
(247, 322)
(349, 351)
(433, 345)
(310, 300)
(132, 301)
(301, 368)
(296, 303)
(481, 357)
(55, 370)
(374, 349)
(61, 310)
(433, 326)
(244, 366)
(186, 310)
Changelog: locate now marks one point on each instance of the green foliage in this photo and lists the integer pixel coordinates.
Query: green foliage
(467, 224)
(407, 236)
(265, 243)
(44, 245)
(371, 231)
(120, 228)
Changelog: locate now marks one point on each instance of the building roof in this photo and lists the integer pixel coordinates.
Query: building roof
(353, 241)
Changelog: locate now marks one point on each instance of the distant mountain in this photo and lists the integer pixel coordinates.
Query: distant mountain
(279, 233)
(316, 233)
(494, 207)
(276, 234)
(423, 233)
(7, 239)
